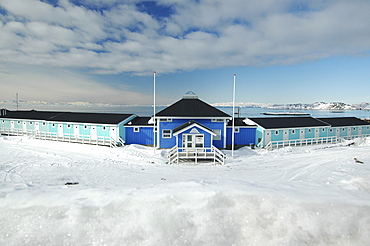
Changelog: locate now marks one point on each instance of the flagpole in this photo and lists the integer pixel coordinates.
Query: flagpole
(154, 124)
(233, 125)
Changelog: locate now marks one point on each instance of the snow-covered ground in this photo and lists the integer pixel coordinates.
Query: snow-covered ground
(316, 195)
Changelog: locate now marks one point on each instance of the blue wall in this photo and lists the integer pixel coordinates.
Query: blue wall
(170, 142)
(245, 136)
(144, 136)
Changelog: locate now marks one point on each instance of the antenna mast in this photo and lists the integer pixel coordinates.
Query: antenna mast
(16, 96)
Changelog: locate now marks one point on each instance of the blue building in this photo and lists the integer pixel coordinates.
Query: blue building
(188, 126)
(244, 133)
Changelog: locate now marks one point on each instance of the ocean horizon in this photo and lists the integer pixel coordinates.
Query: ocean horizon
(146, 110)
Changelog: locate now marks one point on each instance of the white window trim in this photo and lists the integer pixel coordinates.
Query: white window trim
(167, 134)
(136, 129)
(217, 120)
(218, 133)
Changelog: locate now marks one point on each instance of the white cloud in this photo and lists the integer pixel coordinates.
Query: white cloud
(198, 34)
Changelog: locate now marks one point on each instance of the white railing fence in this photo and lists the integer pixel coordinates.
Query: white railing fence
(176, 154)
(310, 141)
(66, 137)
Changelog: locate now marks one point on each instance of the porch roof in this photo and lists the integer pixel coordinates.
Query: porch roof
(189, 125)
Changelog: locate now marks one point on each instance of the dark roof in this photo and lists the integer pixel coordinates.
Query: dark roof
(29, 114)
(140, 121)
(189, 123)
(191, 108)
(238, 122)
(288, 122)
(97, 118)
(344, 121)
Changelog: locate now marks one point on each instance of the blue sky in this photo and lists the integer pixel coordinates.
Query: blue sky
(283, 51)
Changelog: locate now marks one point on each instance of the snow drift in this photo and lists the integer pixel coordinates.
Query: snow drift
(315, 195)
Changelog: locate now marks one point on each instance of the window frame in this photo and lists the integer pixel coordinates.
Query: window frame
(166, 133)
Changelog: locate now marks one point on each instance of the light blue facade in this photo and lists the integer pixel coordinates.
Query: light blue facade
(64, 131)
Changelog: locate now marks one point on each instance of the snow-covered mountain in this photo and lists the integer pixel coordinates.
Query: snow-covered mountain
(316, 105)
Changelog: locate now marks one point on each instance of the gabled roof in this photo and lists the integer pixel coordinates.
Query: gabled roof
(188, 107)
(344, 121)
(288, 122)
(94, 118)
(190, 124)
(239, 122)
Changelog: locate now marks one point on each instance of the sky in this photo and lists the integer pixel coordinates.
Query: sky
(105, 51)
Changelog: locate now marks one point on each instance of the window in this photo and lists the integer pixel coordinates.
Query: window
(85, 127)
(354, 128)
(31, 122)
(104, 128)
(69, 126)
(323, 129)
(236, 129)
(18, 122)
(276, 132)
(309, 130)
(3, 121)
(53, 125)
(342, 129)
(136, 129)
(44, 123)
(218, 135)
(330, 130)
(199, 141)
(166, 134)
(293, 131)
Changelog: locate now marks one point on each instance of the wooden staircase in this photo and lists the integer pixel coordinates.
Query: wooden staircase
(177, 155)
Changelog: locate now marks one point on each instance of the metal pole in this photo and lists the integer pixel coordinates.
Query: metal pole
(154, 124)
(233, 125)
(17, 100)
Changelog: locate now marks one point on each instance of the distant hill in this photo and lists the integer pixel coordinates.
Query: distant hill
(295, 106)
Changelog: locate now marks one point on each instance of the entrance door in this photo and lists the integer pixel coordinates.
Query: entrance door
(24, 127)
(192, 141)
(76, 131)
(37, 127)
(113, 133)
(60, 130)
(93, 133)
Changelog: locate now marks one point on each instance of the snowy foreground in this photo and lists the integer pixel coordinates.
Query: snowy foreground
(316, 195)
